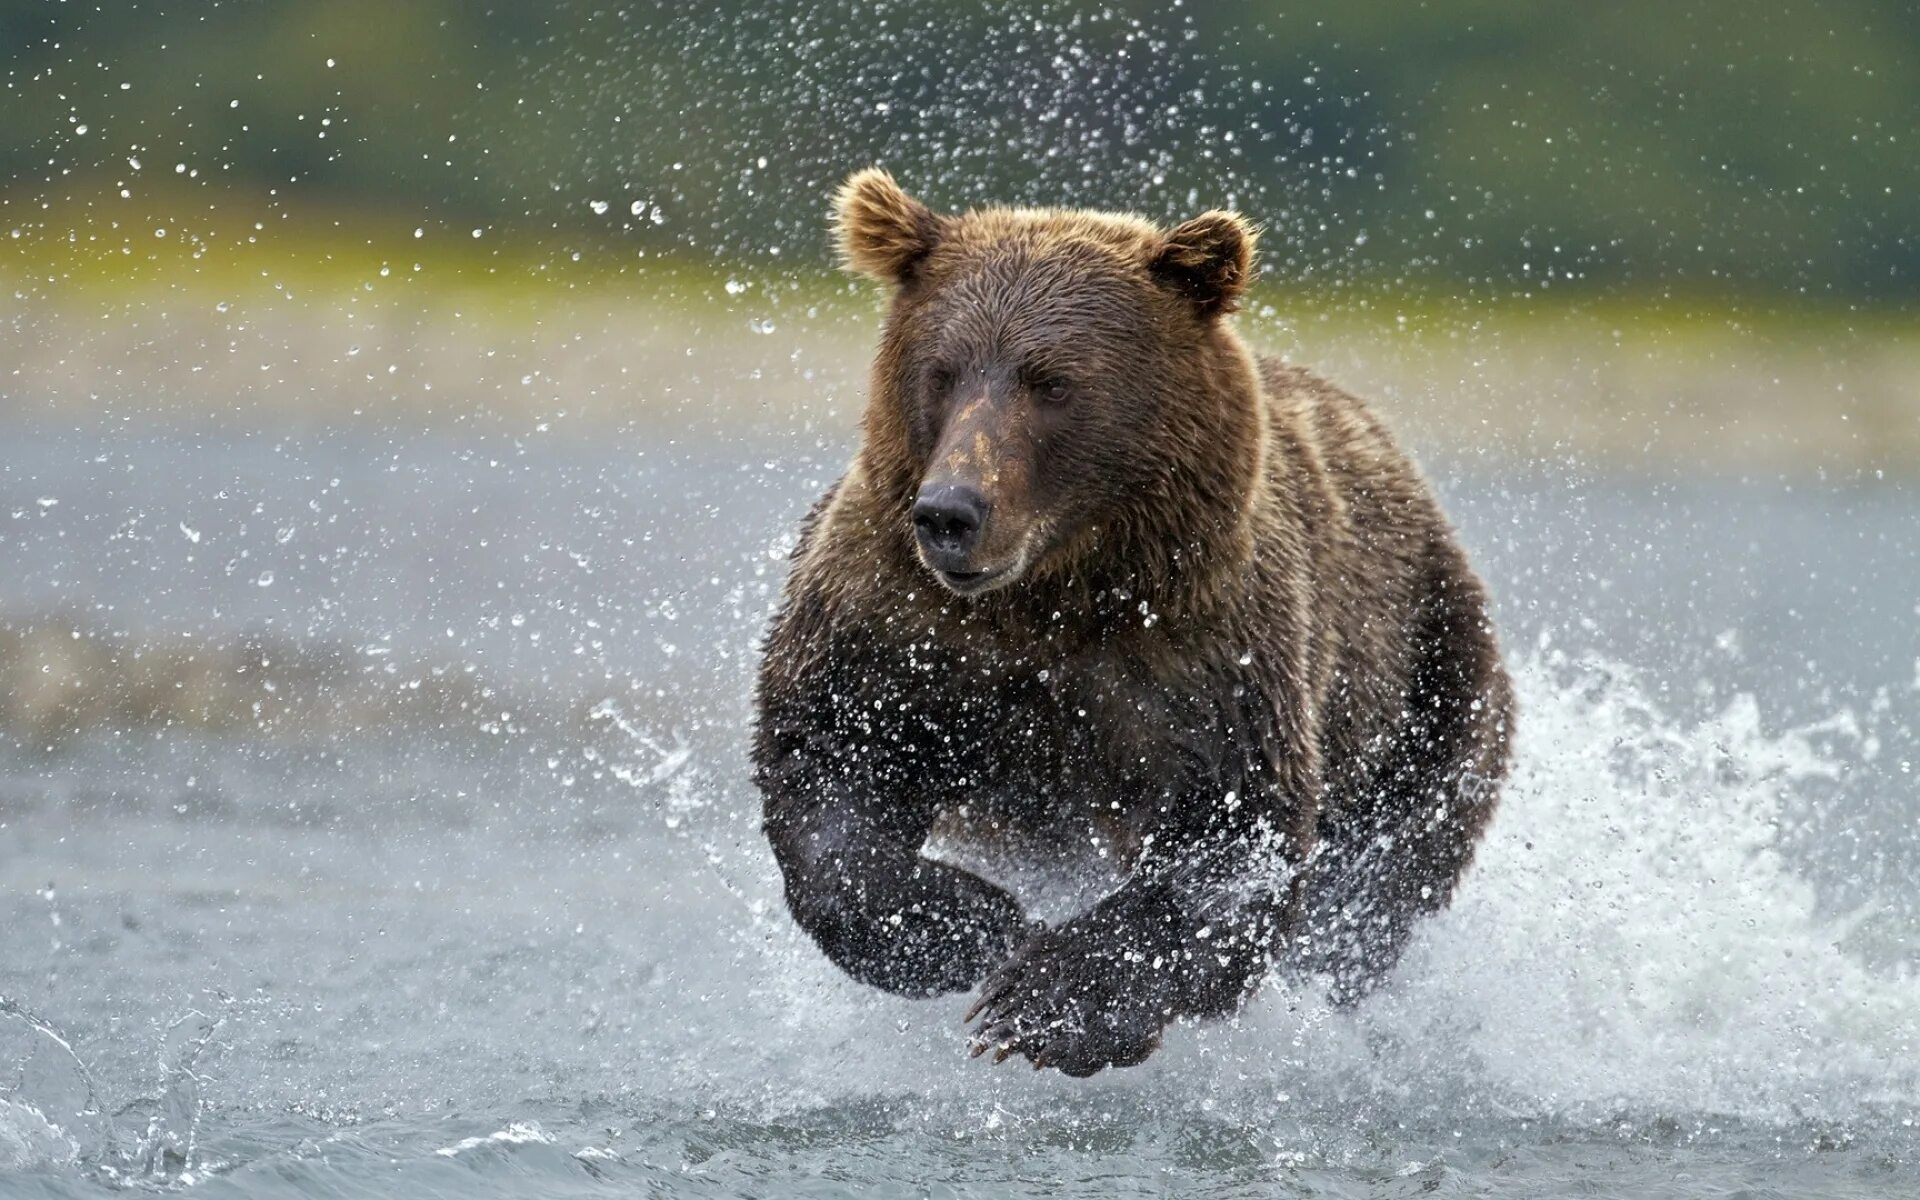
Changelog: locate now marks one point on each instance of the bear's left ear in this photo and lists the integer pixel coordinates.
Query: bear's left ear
(1209, 260)
(884, 233)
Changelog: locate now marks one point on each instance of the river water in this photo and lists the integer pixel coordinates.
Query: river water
(374, 822)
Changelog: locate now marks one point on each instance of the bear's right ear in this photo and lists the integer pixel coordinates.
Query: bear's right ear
(884, 233)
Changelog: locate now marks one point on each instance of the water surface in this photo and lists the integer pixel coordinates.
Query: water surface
(373, 822)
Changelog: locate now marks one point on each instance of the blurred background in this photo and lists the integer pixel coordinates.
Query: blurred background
(1639, 245)
(405, 409)
(1683, 232)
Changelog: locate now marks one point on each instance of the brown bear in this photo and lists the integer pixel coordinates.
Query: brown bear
(1097, 572)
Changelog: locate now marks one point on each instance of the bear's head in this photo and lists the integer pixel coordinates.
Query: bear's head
(1056, 392)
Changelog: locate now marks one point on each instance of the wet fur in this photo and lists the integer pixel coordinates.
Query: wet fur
(1249, 658)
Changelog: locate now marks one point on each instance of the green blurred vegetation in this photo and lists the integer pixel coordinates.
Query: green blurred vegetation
(1502, 149)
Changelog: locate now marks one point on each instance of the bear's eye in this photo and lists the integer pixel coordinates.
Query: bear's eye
(1053, 391)
(940, 381)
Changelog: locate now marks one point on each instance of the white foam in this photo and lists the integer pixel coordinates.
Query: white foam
(519, 1133)
(1633, 932)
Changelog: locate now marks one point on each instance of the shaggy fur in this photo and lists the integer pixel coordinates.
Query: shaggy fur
(1214, 621)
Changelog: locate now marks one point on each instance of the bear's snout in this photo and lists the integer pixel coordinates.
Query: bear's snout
(947, 521)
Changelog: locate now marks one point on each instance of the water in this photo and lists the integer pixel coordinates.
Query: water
(384, 831)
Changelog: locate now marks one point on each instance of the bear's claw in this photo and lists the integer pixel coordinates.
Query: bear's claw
(1071, 1006)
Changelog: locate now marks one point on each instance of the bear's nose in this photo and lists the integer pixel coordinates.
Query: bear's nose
(948, 516)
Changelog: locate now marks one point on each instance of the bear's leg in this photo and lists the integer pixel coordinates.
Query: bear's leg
(1375, 882)
(1393, 854)
(1194, 930)
(1193, 938)
(856, 882)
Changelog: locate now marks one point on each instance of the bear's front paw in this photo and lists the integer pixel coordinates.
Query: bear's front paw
(1066, 1000)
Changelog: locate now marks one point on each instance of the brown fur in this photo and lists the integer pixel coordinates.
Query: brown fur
(1230, 631)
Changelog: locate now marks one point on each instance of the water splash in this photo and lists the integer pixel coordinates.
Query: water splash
(49, 1106)
(1636, 933)
(667, 760)
(52, 1114)
(166, 1147)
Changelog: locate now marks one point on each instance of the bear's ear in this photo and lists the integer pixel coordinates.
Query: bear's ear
(1209, 260)
(884, 233)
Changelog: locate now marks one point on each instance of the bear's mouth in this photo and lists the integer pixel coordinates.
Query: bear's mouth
(967, 583)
